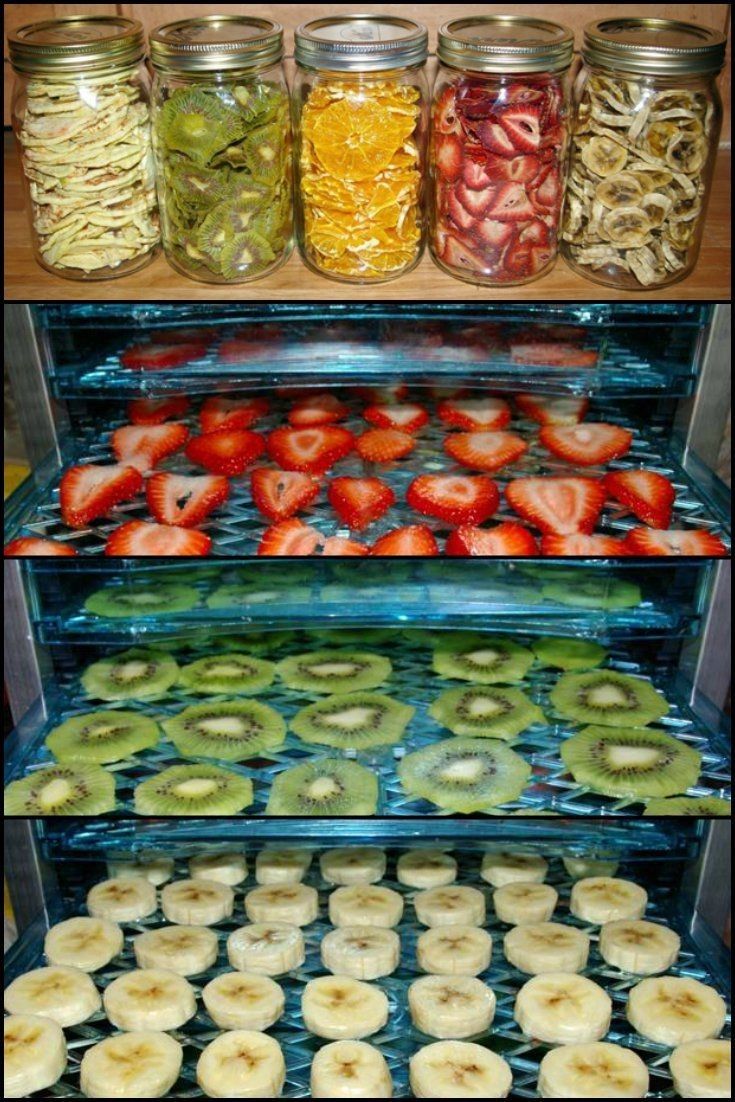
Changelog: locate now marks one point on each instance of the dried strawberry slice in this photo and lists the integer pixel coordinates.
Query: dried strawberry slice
(448, 157)
(511, 204)
(522, 123)
(446, 119)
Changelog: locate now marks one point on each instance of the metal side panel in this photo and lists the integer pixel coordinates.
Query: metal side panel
(38, 416)
(22, 665)
(31, 880)
(707, 659)
(703, 417)
(708, 881)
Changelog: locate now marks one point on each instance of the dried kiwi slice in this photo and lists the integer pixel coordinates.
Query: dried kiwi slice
(689, 805)
(142, 600)
(602, 593)
(633, 762)
(607, 697)
(196, 185)
(568, 654)
(484, 659)
(198, 123)
(332, 786)
(465, 774)
(194, 790)
(334, 671)
(62, 790)
(102, 736)
(135, 674)
(227, 673)
(246, 253)
(353, 721)
(243, 596)
(256, 642)
(233, 730)
(481, 711)
(264, 153)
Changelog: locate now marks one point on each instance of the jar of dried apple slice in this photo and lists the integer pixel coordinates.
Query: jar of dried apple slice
(645, 133)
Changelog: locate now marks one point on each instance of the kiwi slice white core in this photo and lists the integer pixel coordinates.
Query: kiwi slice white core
(624, 757)
(334, 669)
(323, 788)
(226, 726)
(195, 788)
(463, 771)
(57, 791)
(607, 696)
(131, 671)
(485, 706)
(487, 657)
(350, 717)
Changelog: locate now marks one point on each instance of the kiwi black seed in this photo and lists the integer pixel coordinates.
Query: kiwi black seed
(353, 721)
(142, 600)
(62, 790)
(484, 711)
(331, 786)
(632, 762)
(607, 697)
(194, 790)
(465, 774)
(334, 671)
(484, 659)
(233, 730)
(135, 674)
(98, 737)
(230, 672)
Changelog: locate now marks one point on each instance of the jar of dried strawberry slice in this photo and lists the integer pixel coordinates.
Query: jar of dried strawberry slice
(498, 151)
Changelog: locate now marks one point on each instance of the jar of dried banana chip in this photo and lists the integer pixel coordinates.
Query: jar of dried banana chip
(81, 117)
(222, 139)
(360, 116)
(645, 133)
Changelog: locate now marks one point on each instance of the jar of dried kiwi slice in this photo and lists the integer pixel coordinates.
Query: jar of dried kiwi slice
(81, 117)
(645, 133)
(222, 140)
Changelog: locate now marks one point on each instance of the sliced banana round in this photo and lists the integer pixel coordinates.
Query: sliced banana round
(267, 948)
(229, 868)
(242, 1064)
(563, 1008)
(66, 995)
(154, 867)
(131, 1065)
(149, 998)
(34, 1054)
(350, 1069)
(353, 865)
(426, 868)
(542, 947)
(521, 903)
(634, 945)
(365, 952)
(659, 136)
(340, 1007)
(581, 867)
(186, 950)
(600, 899)
(702, 1069)
(282, 866)
(451, 1007)
(85, 943)
(296, 904)
(622, 190)
(675, 1009)
(508, 868)
(627, 227)
(459, 1069)
(597, 1070)
(122, 899)
(650, 177)
(243, 1000)
(603, 156)
(197, 902)
(657, 207)
(454, 950)
(687, 154)
(450, 906)
(365, 905)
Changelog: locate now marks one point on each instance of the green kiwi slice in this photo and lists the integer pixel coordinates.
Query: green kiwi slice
(603, 593)
(465, 774)
(689, 805)
(334, 671)
(568, 654)
(142, 600)
(198, 124)
(484, 659)
(481, 711)
(331, 786)
(135, 674)
(233, 730)
(607, 697)
(256, 642)
(246, 253)
(62, 790)
(353, 721)
(634, 762)
(102, 736)
(242, 596)
(194, 790)
(227, 673)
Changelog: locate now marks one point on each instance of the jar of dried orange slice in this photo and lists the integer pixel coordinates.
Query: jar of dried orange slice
(361, 112)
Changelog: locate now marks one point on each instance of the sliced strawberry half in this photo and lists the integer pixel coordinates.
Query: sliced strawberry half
(524, 259)
(153, 356)
(314, 450)
(226, 451)
(88, 491)
(518, 170)
(317, 409)
(647, 494)
(408, 417)
(475, 202)
(457, 255)
(582, 545)
(232, 413)
(380, 395)
(32, 545)
(337, 545)
(413, 541)
(552, 354)
(278, 495)
(359, 501)
(485, 451)
(137, 537)
(496, 139)
(185, 500)
(144, 446)
(460, 215)
(475, 413)
(588, 444)
(511, 204)
(446, 119)
(458, 499)
(495, 234)
(548, 193)
(560, 506)
(448, 157)
(384, 445)
(522, 123)
(475, 174)
(507, 539)
(695, 542)
(154, 411)
(552, 411)
(289, 537)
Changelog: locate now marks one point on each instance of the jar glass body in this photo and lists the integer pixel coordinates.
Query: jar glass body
(360, 170)
(498, 159)
(643, 154)
(223, 151)
(88, 170)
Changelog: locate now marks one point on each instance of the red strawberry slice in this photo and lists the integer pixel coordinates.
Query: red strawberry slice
(360, 501)
(548, 193)
(154, 411)
(384, 445)
(496, 139)
(457, 255)
(448, 156)
(406, 418)
(695, 542)
(588, 444)
(485, 451)
(459, 214)
(137, 537)
(337, 545)
(232, 413)
(552, 354)
(511, 204)
(317, 409)
(520, 170)
(475, 413)
(144, 446)
(153, 356)
(647, 494)
(507, 539)
(380, 395)
(522, 123)
(560, 506)
(458, 499)
(587, 546)
(289, 537)
(494, 234)
(534, 233)
(314, 450)
(476, 202)
(87, 492)
(185, 500)
(446, 119)
(32, 545)
(415, 541)
(475, 174)
(524, 259)
(226, 451)
(278, 495)
(552, 411)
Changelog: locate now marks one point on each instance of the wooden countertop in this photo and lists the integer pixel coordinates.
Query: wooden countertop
(25, 281)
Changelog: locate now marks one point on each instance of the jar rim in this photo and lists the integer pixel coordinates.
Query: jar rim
(361, 43)
(216, 43)
(502, 43)
(76, 44)
(654, 45)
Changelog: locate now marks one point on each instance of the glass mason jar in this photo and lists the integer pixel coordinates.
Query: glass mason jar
(222, 140)
(499, 145)
(360, 115)
(647, 118)
(81, 117)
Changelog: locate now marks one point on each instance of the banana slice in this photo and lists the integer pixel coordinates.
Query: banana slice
(296, 904)
(353, 865)
(451, 1007)
(603, 156)
(580, 867)
(426, 868)
(153, 867)
(600, 899)
(66, 995)
(454, 951)
(519, 904)
(226, 868)
(451, 906)
(543, 947)
(598, 1070)
(123, 899)
(562, 1009)
(365, 952)
(282, 866)
(459, 1069)
(243, 1000)
(624, 189)
(149, 998)
(627, 227)
(242, 1064)
(675, 1009)
(644, 948)
(701, 1069)
(35, 1054)
(350, 1069)
(186, 950)
(131, 1065)
(365, 905)
(85, 943)
(340, 1007)
(197, 902)
(508, 868)
(267, 948)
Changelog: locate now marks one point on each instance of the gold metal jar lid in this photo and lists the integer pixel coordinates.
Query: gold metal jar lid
(216, 43)
(505, 44)
(655, 46)
(76, 44)
(361, 43)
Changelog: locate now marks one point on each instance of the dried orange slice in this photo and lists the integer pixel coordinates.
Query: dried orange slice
(356, 139)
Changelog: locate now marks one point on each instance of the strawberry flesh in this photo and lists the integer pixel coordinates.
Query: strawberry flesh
(561, 506)
(485, 451)
(360, 501)
(457, 499)
(475, 413)
(144, 446)
(318, 409)
(88, 491)
(384, 445)
(588, 546)
(412, 541)
(588, 444)
(552, 411)
(647, 494)
(694, 542)
(278, 495)
(314, 450)
(185, 500)
(336, 545)
(154, 411)
(406, 418)
(226, 451)
(289, 537)
(158, 357)
(32, 545)
(137, 537)
(232, 413)
(506, 539)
